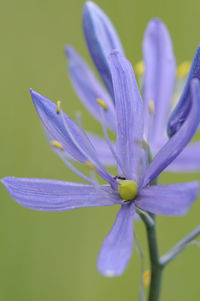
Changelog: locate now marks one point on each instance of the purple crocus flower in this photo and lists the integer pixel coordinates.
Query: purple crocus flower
(131, 188)
(158, 85)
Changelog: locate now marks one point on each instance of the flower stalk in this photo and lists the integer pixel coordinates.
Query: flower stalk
(180, 246)
(156, 265)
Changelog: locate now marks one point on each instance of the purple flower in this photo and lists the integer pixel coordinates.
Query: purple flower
(158, 85)
(131, 188)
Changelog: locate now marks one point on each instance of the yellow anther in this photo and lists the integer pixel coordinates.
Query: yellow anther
(146, 278)
(139, 68)
(89, 164)
(58, 107)
(151, 107)
(142, 143)
(127, 189)
(57, 144)
(102, 103)
(183, 69)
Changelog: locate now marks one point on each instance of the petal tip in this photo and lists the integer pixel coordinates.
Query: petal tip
(68, 51)
(33, 93)
(109, 274)
(89, 5)
(156, 20)
(5, 181)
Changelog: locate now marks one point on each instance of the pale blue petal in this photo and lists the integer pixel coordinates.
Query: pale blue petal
(188, 160)
(182, 108)
(54, 125)
(54, 195)
(104, 153)
(171, 200)
(117, 247)
(129, 114)
(88, 87)
(63, 129)
(101, 38)
(159, 78)
(177, 142)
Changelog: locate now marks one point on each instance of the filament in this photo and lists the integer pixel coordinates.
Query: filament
(109, 143)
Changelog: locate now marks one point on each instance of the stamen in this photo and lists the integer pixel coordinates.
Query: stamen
(74, 169)
(102, 103)
(183, 69)
(142, 143)
(128, 189)
(151, 107)
(93, 176)
(58, 107)
(109, 143)
(56, 144)
(146, 278)
(100, 169)
(139, 68)
(72, 137)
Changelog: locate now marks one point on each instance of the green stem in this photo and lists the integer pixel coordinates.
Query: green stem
(179, 247)
(156, 265)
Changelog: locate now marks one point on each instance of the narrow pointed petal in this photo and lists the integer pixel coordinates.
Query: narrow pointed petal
(176, 143)
(54, 195)
(159, 77)
(117, 247)
(180, 112)
(171, 200)
(88, 87)
(129, 114)
(76, 144)
(188, 160)
(54, 125)
(103, 151)
(101, 38)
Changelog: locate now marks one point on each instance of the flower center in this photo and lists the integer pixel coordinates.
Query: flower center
(127, 189)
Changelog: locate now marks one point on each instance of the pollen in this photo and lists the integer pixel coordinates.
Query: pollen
(127, 189)
(89, 164)
(58, 107)
(102, 103)
(151, 107)
(142, 143)
(183, 69)
(56, 144)
(139, 68)
(146, 278)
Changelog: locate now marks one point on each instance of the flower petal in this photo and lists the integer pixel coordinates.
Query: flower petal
(77, 144)
(188, 160)
(101, 38)
(54, 195)
(88, 87)
(176, 143)
(54, 125)
(117, 247)
(180, 112)
(103, 151)
(129, 114)
(172, 200)
(159, 77)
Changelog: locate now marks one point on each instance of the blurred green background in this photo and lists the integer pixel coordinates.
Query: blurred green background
(52, 256)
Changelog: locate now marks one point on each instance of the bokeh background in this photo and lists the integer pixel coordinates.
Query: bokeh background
(52, 256)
